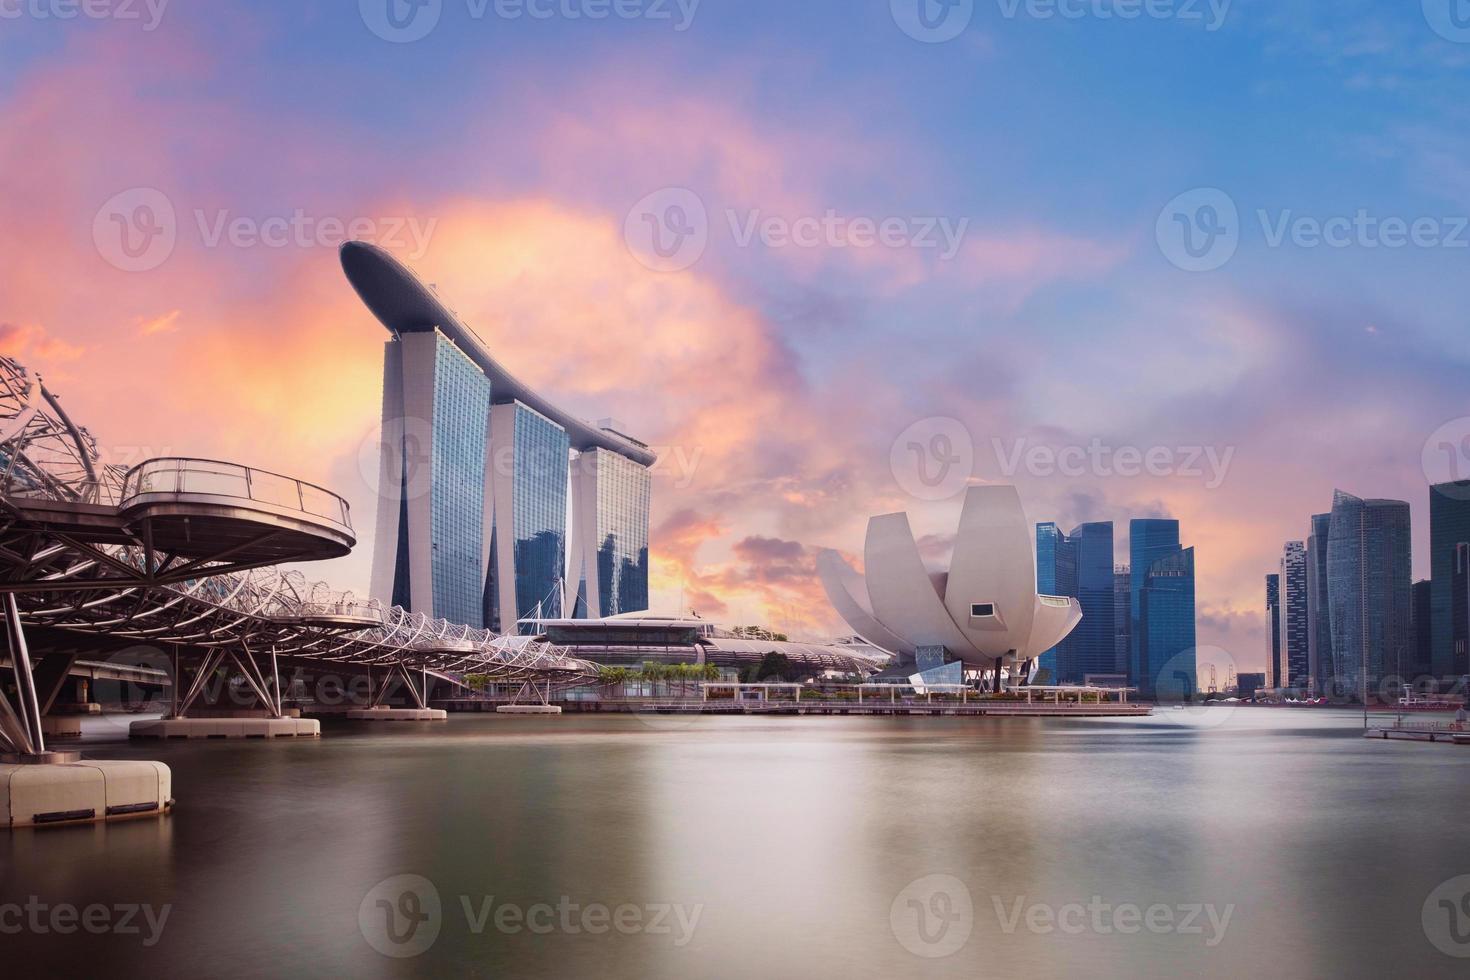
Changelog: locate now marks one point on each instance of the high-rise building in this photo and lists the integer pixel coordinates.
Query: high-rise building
(526, 573)
(1056, 574)
(1122, 619)
(1449, 527)
(609, 554)
(431, 504)
(1319, 619)
(1155, 557)
(1089, 649)
(1460, 612)
(475, 476)
(1369, 572)
(1295, 658)
(1273, 630)
(1423, 626)
(1166, 621)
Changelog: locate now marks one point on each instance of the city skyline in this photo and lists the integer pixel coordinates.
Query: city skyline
(225, 330)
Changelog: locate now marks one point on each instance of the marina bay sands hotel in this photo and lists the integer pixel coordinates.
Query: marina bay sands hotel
(477, 473)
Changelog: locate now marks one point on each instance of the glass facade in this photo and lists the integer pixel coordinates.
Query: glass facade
(1293, 628)
(1166, 621)
(622, 491)
(1122, 620)
(1080, 565)
(457, 495)
(1149, 539)
(537, 485)
(1090, 647)
(1449, 526)
(1319, 619)
(1369, 589)
(1273, 630)
(456, 400)
(1056, 574)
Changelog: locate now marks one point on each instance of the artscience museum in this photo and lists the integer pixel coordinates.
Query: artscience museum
(979, 618)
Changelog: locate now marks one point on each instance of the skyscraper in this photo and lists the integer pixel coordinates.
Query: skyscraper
(1122, 619)
(1157, 562)
(1368, 586)
(475, 471)
(1056, 574)
(528, 481)
(1319, 619)
(1166, 621)
(1295, 657)
(1273, 630)
(1449, 526)
(609, 554)
(1423, 626)
(1089, 649)
(436, 410)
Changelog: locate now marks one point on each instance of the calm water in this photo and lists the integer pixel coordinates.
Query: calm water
(777, 848)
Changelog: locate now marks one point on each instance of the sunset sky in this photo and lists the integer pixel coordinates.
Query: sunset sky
(1029, 170)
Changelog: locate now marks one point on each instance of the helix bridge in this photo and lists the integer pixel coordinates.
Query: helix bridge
(186, 556)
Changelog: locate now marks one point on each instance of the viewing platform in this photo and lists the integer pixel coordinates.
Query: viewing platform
(202, 509)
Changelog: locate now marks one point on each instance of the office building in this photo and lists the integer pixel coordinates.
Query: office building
(1368, 585)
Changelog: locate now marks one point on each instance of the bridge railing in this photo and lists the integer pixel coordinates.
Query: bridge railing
(221, 479)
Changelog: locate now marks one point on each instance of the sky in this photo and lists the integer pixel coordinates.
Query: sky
(1169, 258)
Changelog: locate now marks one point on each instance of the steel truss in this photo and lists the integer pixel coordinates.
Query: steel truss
(70, 559)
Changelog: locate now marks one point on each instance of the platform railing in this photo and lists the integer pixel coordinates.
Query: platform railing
(222, 479)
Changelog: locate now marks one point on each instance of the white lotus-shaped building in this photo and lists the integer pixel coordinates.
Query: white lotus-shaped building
(984, 612)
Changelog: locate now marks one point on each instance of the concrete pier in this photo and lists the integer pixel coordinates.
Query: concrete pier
(38, 793)
(528, 709)
(226, 728)
(398, 714)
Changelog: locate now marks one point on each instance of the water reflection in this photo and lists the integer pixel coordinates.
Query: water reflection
(792, 840)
